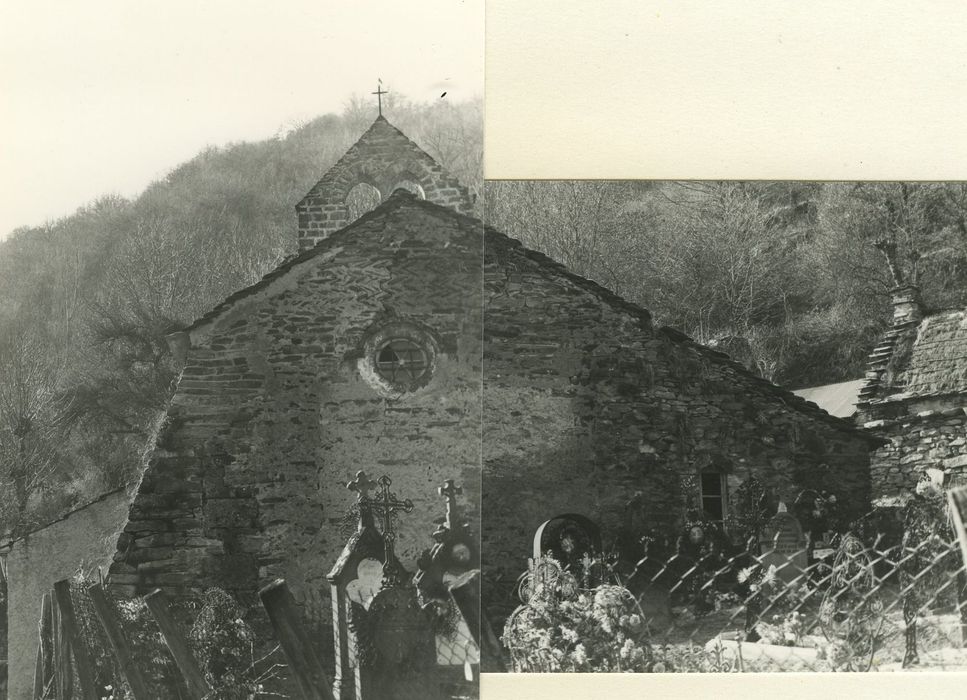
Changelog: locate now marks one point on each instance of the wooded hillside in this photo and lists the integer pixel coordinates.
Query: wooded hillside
(794, 275)
(86, 301)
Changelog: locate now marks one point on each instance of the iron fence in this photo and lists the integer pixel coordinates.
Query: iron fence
(857, 604)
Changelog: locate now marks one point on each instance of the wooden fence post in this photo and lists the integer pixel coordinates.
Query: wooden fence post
(82, 656)
(957, 498)
(177, 644)
(63, 676)
(43, 671)
(465, 592)
(303, 663)
(39, 674)
(118, 642)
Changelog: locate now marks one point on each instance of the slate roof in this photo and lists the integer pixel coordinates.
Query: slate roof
(836, 399)
(497, 242)
(938, 361)
(918, 360)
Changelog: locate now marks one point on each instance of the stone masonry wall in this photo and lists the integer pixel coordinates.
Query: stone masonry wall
(271, 418)
(383, 157)
(932, 439)
(83, 540)
(585, 404)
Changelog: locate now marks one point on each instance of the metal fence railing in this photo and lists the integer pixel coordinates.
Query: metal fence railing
(858, 604)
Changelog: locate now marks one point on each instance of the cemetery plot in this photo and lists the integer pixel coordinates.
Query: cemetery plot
(883, 594)
(397, 636)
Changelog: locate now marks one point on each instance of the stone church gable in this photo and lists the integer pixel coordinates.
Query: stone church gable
(278, 405)
(385, 159)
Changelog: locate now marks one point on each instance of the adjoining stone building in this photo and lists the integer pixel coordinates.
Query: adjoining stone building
(915, 395)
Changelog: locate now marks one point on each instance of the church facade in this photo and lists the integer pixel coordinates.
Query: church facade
(418, 343)
(361, 352)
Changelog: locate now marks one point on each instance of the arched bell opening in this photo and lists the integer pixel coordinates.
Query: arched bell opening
(410, 186)
(361, 199)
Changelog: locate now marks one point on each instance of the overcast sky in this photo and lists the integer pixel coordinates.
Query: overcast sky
(105, 96)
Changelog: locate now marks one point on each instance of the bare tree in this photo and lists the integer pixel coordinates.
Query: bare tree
(575, 222)
(716, 258)
(901, 220)
(32, 414)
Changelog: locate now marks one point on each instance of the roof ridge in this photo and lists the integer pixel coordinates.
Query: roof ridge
(674, 334)
(400, 197)
(380, 122)
(393, 202)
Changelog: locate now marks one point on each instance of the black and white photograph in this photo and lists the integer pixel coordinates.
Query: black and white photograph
(240, 374)
(763, 492)
(305, 393)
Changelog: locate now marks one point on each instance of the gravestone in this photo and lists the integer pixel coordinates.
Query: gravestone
(850, 611)
(355, 579)
(784, 546)
(750, 511)
(570, 539)
(455, 553)
(698, 566)
(400, 654)
(383, 639)
(397, 656)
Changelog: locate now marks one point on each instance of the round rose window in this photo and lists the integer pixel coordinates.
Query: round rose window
(402, 361)
(398, 358)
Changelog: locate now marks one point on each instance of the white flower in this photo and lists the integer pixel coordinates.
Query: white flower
(745, 573)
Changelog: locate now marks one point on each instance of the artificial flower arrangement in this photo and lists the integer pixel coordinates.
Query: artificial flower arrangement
(564, 628)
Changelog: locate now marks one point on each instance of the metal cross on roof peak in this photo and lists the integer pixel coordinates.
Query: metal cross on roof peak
(379, 97)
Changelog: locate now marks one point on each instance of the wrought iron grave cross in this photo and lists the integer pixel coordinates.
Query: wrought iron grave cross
(385, 504)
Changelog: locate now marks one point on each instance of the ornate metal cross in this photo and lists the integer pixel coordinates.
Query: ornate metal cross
(379, 97)
(385, 504)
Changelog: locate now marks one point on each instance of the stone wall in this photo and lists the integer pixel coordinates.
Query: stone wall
(383, 158)
(272, 417)
(930, 439)
(83, 540)
(586, 403)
